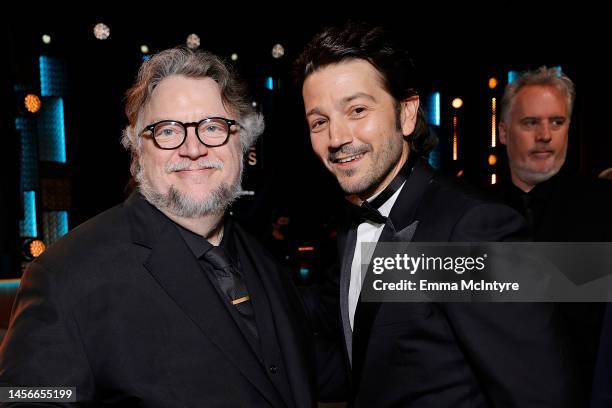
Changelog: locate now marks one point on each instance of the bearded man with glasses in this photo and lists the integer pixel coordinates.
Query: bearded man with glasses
(164, 300)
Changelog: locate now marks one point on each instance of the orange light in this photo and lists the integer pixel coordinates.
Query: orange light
(492, 83)
(457, 103)
(33, 248)
(32, 103)
(37, 247)
(305, 248)
(493, 122)
(455, 142)
(492, 160)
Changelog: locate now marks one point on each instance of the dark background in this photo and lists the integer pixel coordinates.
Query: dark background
(456, 50)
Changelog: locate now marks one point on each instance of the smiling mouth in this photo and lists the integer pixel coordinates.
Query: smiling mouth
(348, 159)
(198, 168)
(194, 171)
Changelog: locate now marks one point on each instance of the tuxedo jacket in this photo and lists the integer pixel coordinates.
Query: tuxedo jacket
(450, 354)
(121, 310)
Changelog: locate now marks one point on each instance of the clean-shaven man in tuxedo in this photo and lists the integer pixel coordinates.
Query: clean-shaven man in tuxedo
(164, 301)
(368, 129)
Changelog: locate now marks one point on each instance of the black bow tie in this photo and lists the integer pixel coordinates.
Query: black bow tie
(368, 211)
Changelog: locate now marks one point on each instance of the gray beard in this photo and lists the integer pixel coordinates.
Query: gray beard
(533, 178)
(184, 206)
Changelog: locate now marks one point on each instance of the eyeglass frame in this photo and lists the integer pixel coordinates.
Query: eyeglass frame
(195, 125)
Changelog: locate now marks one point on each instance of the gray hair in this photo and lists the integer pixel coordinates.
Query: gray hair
(543, 76)
(192, 64)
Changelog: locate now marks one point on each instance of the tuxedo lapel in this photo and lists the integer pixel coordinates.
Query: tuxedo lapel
(177, 271)
(400, 227)
(405, 208)
(401, 224)
(348, 250)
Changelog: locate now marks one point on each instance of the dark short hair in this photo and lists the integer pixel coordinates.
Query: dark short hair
(355, 40)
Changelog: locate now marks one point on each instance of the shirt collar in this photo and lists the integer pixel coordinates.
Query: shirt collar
(199, 245)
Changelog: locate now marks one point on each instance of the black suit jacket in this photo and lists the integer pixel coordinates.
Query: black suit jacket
(571, 208)
(121, 309)
(452, 354)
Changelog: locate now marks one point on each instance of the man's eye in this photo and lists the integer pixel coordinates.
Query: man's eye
(317, 124)
(529, 123)
(358, 111)
(212, 128)
(166, 132)
(558, 122)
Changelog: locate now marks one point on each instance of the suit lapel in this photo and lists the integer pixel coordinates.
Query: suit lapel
(400, 227)
(176, 270)
(347, 247)
(405, 208)
(401, 224)
(288, 329)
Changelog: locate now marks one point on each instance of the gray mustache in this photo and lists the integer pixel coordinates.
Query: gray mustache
(194, 165)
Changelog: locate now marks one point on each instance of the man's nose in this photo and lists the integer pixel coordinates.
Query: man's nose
(543, 133)
(192, 147)
(339, 134)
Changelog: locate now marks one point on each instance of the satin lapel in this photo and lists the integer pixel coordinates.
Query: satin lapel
(346, 247)
(400, 227)
(404, 211)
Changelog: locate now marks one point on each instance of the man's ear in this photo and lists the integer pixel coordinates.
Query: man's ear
(502, 132)
(409, 109)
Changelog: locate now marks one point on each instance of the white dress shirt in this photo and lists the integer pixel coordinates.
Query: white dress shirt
(367, 231)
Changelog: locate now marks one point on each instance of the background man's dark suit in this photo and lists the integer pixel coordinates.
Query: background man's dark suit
(121, 309)
(452, 354)
(571, 208)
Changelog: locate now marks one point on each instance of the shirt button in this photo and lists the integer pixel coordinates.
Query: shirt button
(273, 369)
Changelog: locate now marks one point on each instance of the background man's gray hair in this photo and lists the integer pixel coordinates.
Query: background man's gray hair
(542, 76)
(192, 64)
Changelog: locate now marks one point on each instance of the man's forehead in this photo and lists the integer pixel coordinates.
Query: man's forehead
(538, 100)
(182, 95)
(349, 72)
(344, 83)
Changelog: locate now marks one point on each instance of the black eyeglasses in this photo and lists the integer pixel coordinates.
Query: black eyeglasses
(171, 134)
